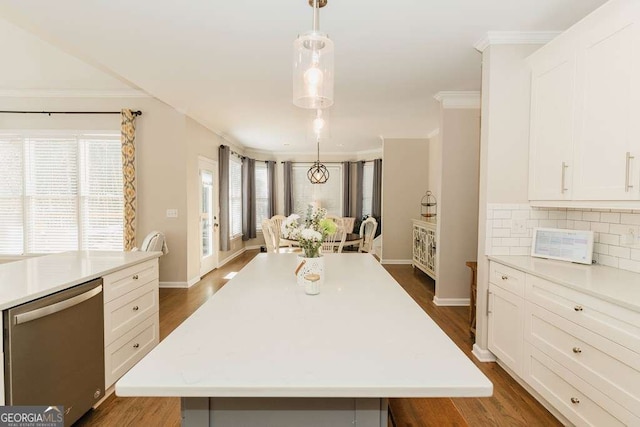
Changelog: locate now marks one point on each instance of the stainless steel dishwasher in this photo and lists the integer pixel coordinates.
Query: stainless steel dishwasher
(54, 350)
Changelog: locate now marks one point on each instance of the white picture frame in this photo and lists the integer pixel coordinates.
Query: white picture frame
(563, 245)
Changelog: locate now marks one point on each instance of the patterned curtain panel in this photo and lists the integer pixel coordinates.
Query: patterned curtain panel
(128, 139)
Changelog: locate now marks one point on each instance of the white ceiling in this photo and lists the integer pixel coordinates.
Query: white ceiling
(227, 63)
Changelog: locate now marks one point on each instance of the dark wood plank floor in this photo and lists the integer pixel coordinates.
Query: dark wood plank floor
(510, 405)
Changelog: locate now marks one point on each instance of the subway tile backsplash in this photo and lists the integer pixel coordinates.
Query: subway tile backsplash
(616, 232)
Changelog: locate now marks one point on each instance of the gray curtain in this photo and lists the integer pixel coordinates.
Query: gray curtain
(288, 188)
(376, 203)
(271, 188)
(346, 188)
(359, 193)
(248, 199)
(223, 179)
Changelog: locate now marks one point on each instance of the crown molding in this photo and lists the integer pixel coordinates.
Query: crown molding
(458, 99)
(73, 93)
(514, 37)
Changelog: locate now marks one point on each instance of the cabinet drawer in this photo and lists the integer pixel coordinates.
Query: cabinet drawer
(123, 281)
(609, 320)
(609, 367)
(122, 354)
(122, 314)
(569, 394)
(507, 278)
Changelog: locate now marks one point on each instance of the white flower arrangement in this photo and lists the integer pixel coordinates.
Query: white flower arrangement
(312, 233)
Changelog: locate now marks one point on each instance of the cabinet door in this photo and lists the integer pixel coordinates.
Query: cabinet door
(506, 327)
(607, 152)
(552, 112)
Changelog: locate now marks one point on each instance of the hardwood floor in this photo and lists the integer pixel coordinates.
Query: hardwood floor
(510, 405)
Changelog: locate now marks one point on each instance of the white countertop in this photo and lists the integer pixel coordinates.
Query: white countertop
(262, 336)
(614, 285)
(32, 278)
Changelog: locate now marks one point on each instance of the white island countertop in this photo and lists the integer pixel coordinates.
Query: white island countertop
(620, 287)
(262, 336)
(33, 278)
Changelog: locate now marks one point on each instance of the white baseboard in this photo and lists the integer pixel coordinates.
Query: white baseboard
(396, 261)
(450, 302)
(231, 257)
(193, 281)
(181, 285)
(482, 355)
(248, 248)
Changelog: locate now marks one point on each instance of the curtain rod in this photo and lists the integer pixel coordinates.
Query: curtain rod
(339, 163)
(135, 113)
(245, 157)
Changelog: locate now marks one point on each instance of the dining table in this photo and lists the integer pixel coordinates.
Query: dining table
(261, 352)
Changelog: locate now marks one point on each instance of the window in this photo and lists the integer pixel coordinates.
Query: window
(367, 189)
(262, 194)
(60, 193)
(328, 195)
(235, 196)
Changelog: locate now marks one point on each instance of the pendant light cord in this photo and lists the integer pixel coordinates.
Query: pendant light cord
(316, 16)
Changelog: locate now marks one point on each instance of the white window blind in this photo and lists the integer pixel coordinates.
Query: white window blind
(63, 193)
(235, 196)
(262, 194)
(327, 195)
(11, 196)
(367, 189)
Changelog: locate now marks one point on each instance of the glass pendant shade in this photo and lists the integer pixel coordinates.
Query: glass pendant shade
(313, 70)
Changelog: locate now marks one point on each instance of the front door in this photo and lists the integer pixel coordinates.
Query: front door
(208, 215)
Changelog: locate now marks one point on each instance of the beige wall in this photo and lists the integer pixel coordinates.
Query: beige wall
(506, 97)
(458, 201)
(161, 161)
(404, 183)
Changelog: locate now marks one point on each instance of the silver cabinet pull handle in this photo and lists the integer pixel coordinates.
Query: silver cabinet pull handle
(627, 176)
(563, 188)
(505, 277)
(575, 400)
(578, 308)
(135, 308)
(135, 277)
(577, 350)
(489, 311)
(136, 345)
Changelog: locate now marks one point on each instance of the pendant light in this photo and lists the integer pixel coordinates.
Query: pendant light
(313, 65)
(318, 173)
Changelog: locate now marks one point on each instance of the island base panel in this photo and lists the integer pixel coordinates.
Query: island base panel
(283, 412)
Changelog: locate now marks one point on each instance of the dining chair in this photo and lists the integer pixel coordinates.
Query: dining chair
(269, 238)
(348, 223)
(367, 233)
(276, 228)
(334, 243)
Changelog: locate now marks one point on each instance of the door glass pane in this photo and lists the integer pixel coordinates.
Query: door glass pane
(206, 227)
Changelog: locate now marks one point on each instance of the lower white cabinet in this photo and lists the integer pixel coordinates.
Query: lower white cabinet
(131, 317)
(506, 315)
(578, 352)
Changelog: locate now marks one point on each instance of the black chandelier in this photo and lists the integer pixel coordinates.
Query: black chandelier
(318, 173)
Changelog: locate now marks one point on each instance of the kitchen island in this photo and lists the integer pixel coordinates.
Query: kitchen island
(262, 352)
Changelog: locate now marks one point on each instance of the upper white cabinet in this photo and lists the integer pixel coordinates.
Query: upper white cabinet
(552, 112)
(585, 132)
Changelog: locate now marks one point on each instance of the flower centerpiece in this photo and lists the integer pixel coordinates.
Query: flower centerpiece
(310, 234)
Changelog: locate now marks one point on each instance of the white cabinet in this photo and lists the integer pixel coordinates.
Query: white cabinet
(506, 315)
(585, 136)
(552, 130)
(131, 317)
(578, 352)
(607, 151)
(424, 247)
